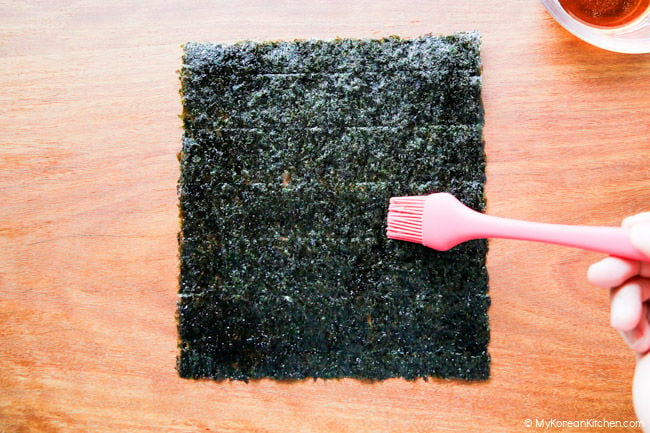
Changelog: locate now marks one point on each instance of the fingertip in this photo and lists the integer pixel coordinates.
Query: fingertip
(597, 273)
(612, 272)
(626, 307)
(635, 219)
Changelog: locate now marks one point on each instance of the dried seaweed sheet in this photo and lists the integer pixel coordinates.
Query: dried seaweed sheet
(291, 151)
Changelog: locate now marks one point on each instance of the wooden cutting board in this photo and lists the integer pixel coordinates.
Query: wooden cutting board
(89, 133)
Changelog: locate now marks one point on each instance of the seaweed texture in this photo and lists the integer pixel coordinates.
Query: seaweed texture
(290, 153)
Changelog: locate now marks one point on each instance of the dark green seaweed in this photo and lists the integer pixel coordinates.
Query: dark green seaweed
(290, 153)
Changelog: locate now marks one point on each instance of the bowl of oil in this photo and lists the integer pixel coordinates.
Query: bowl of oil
(616, 25)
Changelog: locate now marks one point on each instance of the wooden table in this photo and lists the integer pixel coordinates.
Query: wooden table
(89, 133)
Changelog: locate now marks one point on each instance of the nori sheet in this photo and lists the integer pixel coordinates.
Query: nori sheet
(290, 153)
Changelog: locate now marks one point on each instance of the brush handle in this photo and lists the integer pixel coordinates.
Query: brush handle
(614, 241)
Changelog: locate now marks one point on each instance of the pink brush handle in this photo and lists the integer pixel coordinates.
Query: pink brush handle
(614, 241)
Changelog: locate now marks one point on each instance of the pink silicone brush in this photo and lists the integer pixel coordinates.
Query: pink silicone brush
(441, 222)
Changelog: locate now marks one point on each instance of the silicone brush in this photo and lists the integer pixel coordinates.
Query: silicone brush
(440, 221)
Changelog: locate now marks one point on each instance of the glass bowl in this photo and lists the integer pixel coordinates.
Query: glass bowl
(633, 38)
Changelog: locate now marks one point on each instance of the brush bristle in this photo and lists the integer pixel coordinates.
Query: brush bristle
(405, 218)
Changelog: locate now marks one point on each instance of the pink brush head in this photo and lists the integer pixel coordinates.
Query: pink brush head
(405, 218)
(436, 221)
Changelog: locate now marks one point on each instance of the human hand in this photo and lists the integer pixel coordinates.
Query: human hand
(629, 284)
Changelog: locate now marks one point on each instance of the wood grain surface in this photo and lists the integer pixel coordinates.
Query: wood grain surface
(89, 133)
